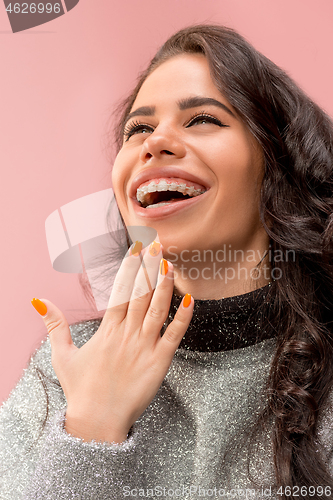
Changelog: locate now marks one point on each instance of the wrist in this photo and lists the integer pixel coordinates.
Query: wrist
(89, 429)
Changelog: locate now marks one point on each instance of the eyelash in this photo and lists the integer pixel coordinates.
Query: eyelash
(136, 126)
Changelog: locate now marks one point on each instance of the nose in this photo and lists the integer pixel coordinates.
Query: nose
(159, 144)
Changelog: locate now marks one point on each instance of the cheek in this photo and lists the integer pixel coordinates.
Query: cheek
(246, 160)
(239, 169)
(234, 161)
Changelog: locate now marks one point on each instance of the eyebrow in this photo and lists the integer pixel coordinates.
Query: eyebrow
(143, 111)
(194, 102)
(187, 103)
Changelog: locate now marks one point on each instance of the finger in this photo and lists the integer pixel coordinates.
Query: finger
(174, 333)
(57, 327)
(150, 263)
(123, 284)
(160, 303)
(144, 285)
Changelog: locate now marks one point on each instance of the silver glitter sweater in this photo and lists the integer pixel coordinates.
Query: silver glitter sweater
(187, 444)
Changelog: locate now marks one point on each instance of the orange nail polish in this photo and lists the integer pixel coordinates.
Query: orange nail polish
(163, 267)
(136, 248)
(154, 248)
(39, 306)
(187, 300)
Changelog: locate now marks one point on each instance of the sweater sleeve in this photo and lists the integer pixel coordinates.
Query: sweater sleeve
(325, 437)
(39, 459)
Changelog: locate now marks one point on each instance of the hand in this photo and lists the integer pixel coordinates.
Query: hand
(110, 380)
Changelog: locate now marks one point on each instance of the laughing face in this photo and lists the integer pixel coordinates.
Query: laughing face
(189, 167)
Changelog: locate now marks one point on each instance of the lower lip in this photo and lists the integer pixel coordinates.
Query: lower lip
(166, 210)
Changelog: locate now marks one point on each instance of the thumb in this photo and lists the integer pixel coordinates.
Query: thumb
(55, 322)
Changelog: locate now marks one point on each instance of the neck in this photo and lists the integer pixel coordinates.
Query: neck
(217, 280)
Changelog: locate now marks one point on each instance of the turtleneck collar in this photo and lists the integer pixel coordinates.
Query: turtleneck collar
(225, 324)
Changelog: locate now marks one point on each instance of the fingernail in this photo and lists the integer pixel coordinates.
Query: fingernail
(163, 267)
(154, 248)
(39, 306)
(136, 248)
(187, 300)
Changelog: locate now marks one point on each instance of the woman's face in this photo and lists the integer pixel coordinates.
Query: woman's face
(182, 131)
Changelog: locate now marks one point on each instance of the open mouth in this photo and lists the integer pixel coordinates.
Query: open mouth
(160, 192)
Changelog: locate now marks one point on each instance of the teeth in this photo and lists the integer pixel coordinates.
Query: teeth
(162, 186)
(152, 187)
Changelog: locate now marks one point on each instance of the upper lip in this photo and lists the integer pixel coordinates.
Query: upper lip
(159, 172)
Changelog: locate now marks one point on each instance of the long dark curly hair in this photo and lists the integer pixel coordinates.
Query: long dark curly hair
(296, 209)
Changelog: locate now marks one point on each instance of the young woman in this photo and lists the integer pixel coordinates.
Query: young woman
(225, 392)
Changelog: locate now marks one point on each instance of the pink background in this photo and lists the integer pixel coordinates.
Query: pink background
(58, 84)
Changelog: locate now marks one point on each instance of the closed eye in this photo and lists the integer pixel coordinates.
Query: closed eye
(137, 128)
(204, 118)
